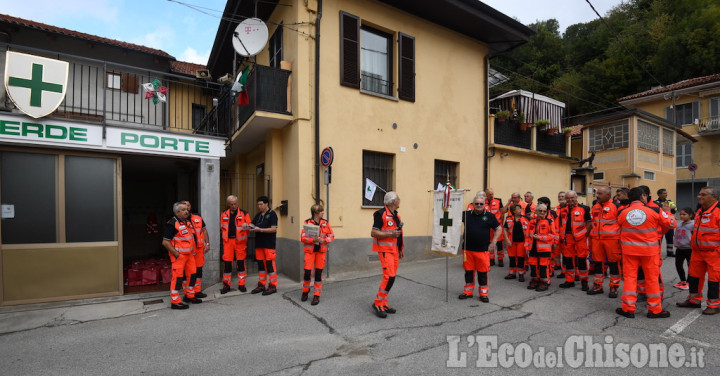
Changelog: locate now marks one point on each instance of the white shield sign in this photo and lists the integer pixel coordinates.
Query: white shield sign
(35, 84)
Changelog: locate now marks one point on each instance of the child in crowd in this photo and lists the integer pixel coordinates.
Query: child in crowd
(683, 233)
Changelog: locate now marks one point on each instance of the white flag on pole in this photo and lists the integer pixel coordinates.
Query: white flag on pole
(447, 225)
(370, 188)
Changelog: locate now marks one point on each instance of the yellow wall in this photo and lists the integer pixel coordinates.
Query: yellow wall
(181, 97)
(446, 120)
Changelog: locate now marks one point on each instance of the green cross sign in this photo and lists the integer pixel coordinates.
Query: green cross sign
(445, 221)
(36, 85)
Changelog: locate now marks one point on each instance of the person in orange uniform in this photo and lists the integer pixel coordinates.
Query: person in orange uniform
(543, 237)
(388, 243)
(575, 222)
(479, 225)
(234, 224)
(529, 209)
(705, 244)
(495, 207)
(179, 240)
(605, 243)
(315, 248)
(557, 252)
(640, 248)
(201, 248)
(264, 225)
(517, 240)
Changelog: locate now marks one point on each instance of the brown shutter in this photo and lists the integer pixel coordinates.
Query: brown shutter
(406, 68)
(129, 83)
(349, 50)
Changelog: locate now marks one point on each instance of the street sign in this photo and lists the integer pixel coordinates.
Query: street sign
(692, 167)
(327, 156)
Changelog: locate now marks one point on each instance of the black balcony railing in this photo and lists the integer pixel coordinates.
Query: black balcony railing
(112, 94)
(267, 91)
(509, 133)
(553, 144)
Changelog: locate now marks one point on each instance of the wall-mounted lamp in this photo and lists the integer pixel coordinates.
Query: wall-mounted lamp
(504, 154)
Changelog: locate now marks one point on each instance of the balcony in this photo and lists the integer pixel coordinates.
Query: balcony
(709, 125)
(112, 94)
(510, 133)
(269, 108)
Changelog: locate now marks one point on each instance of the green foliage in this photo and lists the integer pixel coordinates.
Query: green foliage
(589, 69)
(502, 115)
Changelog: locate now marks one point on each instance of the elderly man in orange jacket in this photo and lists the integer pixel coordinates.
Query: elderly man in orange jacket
(639, 225)
(705, 243)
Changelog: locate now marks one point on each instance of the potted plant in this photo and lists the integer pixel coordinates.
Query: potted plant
(543, 124)
(502, 115)
(567, 131)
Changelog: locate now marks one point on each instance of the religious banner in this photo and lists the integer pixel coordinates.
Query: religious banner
(447, 221)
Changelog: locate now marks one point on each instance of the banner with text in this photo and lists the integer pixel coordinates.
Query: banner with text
(447, 224)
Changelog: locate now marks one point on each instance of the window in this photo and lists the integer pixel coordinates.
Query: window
(113, 80)
(715, 107)
(649, 175)
(198, 114)
(668, 142)
(275, 46)
(377, 167)
(122, 81)
(648, 136)
(683, 114)
(609, 136)
(684, 154)
(90, 201)
(366, 59)
(599, 176)
(445, 170)
(375, 61)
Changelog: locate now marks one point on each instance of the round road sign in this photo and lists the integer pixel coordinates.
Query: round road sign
(692, 167)
(327, 156)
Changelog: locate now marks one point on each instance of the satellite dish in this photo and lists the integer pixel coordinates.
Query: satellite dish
(250, 37)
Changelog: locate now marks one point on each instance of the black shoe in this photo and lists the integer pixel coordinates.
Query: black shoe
(521, 278)
(613, 292)
(510, 276)
(542, 286)
(226, 289)
(389, 310)
(688, 304)
(379, 311)
(597, 289)
(566, 285)
(484, 299)
(200, 295)
(270, 290)
(659, 315)
(561, 275)
(192, 300)
(260, 288)
(501, 263)
(492, 262)
(315, 301)
(629, 315)
(242, 288)
(179, 306)
(533, 285)
(464, 296)
(585, 286)
(304, 297)
(670, 254)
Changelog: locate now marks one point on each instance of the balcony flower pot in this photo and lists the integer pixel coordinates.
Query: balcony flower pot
(502, 116)
(552, 131)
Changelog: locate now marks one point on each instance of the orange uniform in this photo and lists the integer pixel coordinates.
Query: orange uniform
(572, 229)
(234, 244)
(181, 236)
(705, 243)
(494, 206)
(388, 250)
(198, 227)
(605, 235)
(315, 254)
(541, 249)
(638, 236)
(518, 248)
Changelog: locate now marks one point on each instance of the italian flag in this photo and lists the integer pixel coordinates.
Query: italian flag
(240, 87)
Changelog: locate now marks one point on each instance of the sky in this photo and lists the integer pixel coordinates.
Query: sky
(188, 34)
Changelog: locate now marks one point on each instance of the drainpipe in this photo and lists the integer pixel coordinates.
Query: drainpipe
(317, 102)
(486, 86)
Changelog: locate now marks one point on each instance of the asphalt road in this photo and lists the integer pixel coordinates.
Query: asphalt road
(248, 334)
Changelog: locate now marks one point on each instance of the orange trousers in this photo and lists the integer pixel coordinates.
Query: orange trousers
(266, 265)
(651, 269)
(702, 262)
(182, 266)
(389, 262)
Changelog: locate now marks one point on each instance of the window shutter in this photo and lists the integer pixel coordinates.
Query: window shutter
(695, 111)
(129, 83)
(406, 68)
(349, 50)
(669, 115)
(714, 104)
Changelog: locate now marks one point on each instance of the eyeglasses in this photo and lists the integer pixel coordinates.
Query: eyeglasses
(478, 204)
(541, 211)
